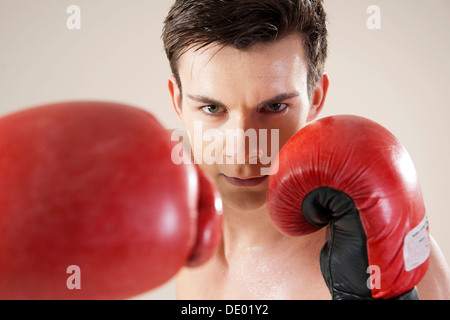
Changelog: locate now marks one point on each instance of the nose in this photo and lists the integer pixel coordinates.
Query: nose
(241, 140)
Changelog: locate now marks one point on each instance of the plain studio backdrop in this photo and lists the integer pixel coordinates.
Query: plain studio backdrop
(389, 63)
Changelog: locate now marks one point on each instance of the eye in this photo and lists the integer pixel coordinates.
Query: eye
(211, 109)
(275, 107)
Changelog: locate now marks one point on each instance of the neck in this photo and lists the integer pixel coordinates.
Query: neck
(245, 232)
(248, 229)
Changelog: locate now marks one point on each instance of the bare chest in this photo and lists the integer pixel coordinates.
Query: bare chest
(253, 274)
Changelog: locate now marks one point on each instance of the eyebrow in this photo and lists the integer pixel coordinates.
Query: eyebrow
(279, 98)
(210, 101)
(205, 100)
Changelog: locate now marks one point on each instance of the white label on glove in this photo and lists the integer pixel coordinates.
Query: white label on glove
(416, 248)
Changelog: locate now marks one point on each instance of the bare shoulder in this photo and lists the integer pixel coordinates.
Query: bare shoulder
(184, 285)
(199, 283)
(436, 283)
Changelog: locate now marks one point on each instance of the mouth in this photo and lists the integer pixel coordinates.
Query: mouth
(245, 182)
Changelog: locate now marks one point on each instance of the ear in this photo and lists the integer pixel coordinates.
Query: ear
(175, 93)
(320, 93)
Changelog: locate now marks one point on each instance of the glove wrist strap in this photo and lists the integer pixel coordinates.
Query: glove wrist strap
(412, 294)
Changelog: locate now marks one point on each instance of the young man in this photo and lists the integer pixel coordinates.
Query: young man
(241, 65)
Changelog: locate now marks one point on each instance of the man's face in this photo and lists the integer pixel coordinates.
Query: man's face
(228, 90)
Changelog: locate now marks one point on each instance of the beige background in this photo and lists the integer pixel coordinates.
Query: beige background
(397, 76)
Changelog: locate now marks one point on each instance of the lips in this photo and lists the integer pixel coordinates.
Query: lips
(245, 182)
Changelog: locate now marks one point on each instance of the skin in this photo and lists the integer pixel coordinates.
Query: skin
(264, 87)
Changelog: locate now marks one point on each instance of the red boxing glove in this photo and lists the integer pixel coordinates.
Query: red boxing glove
(92, 207)
(353, 176)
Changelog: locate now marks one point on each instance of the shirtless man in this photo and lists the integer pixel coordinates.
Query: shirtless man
(256, 65)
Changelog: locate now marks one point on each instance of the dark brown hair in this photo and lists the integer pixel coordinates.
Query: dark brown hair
(243, 23)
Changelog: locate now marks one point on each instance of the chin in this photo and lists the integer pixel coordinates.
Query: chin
(244, 200)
